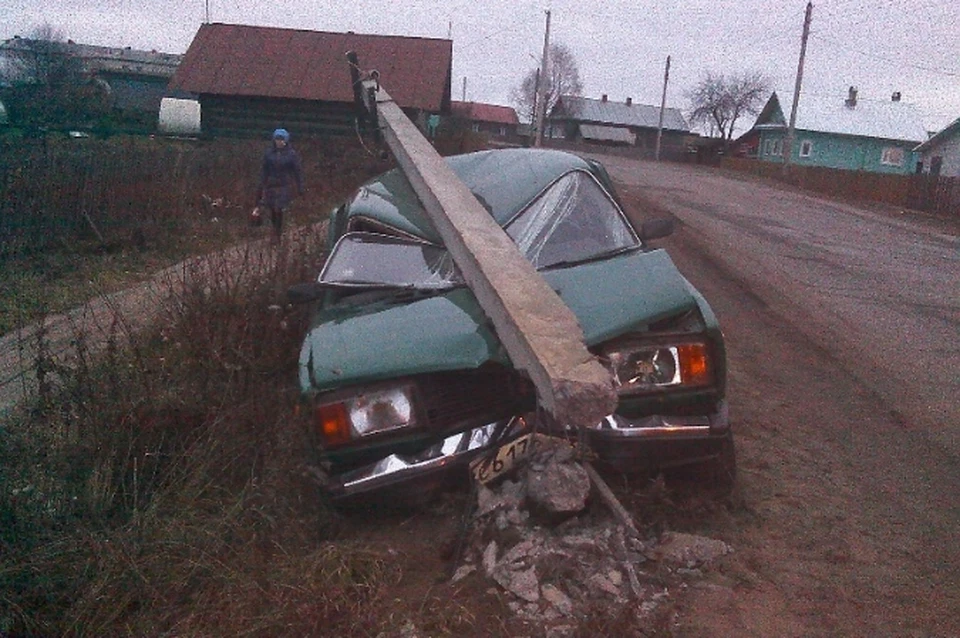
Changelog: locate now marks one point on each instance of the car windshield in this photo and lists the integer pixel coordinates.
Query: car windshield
(372, 260)
(572, 221)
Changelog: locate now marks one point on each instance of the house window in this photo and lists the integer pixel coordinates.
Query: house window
(776, 147)
(806, 147)
(503, 131)
(768, 147)
(892, 156)
(476, 127)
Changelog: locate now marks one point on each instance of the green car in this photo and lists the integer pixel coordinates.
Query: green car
(405, 380)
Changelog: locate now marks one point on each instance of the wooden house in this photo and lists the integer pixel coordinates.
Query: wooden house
(626, 123)
(250, 80)
(490, 119)
(940, 155)
(854, 134)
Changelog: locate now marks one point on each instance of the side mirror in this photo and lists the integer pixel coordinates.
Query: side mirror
(305, 293)
(656, 229)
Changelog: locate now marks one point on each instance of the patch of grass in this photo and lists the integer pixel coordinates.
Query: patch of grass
(158, 486)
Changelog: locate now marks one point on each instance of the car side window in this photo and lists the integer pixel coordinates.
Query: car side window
(573, 220)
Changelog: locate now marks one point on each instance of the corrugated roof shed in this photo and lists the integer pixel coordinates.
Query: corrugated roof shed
(601, 133)
(884, 119)
(240, 60)
(619, 113)
(480, 112)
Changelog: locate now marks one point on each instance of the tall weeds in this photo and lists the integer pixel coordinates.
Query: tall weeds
(159, 488)
(83, 217)
(132, 192)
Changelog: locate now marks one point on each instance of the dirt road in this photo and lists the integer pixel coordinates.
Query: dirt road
(118, 315)
(842, 336)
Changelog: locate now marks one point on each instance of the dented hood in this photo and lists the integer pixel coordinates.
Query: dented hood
(450, 332)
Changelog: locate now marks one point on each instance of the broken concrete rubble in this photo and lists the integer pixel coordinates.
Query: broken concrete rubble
(522, 584)
(554, 574)
(560, 601)
(558, 487)
(689, 551)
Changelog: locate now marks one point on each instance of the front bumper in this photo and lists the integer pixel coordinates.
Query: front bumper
(624, 444)
(659, 442)
(418, 472)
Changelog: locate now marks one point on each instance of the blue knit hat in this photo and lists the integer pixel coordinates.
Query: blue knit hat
(281, 134)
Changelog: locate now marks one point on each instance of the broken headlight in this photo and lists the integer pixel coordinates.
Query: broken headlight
(369, 412)
(642, 367)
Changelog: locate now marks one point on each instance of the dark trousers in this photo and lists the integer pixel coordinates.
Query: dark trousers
(276, 219)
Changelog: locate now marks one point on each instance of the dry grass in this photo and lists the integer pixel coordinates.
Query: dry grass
(161, 488)
(158, 487)
(79, 218)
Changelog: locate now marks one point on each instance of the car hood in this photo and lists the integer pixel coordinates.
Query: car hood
(610, 297)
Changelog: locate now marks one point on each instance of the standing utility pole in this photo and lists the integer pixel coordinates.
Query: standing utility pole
(788, 143)
(541, 100)
(536, 95)
(663, 106)
(464, 88)
(206, 11)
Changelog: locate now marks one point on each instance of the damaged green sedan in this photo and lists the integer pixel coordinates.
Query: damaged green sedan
(405, 380)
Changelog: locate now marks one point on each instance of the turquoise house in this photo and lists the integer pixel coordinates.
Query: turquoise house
(853, 134)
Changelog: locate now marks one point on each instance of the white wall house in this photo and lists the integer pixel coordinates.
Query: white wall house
(940, 155)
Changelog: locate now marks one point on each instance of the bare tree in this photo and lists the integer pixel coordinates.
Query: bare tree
(718, 100)
(564, 79)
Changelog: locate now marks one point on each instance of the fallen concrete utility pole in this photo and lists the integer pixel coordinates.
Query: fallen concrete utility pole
(540, 333)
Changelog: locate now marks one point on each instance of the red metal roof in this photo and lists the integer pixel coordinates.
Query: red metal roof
(479, 112)
(231, 59)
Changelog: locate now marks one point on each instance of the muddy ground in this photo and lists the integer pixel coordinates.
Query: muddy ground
(843, 521)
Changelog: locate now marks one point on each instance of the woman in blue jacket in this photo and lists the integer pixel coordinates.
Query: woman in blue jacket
(280, 174)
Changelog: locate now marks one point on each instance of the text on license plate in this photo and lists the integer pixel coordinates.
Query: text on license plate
(487, 468)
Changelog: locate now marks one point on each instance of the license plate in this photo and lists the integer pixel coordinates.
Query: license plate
(487, 468)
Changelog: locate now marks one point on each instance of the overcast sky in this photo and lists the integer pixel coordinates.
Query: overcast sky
(880, 46)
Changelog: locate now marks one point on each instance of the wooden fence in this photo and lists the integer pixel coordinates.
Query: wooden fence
(921, 192)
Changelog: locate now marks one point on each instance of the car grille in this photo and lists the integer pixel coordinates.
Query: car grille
(458, 399)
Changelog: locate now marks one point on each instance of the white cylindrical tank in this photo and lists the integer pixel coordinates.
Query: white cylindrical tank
(179, 116)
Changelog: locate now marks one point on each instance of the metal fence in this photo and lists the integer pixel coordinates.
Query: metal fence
(98, 194)
(54, 194)
(921, 192)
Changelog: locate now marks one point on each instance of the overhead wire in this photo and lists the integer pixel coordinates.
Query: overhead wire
(883, 58)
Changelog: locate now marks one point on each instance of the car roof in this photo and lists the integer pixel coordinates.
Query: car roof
(504, 181)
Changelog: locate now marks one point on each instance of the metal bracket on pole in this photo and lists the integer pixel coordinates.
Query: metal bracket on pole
(539, 332)
(365, 87)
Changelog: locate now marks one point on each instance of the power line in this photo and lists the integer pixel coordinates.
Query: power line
(511, 29)
(921, 67)
(918, 15)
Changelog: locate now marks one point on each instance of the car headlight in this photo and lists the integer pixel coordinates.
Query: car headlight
(365, 413)
(639, 368)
